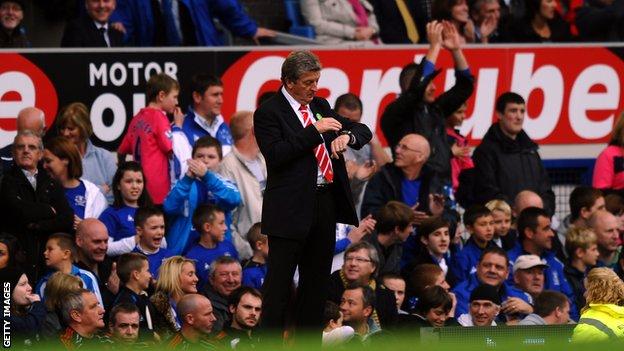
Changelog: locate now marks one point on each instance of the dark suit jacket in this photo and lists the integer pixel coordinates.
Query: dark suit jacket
(83, 33)
(27, 213)
(292, 167)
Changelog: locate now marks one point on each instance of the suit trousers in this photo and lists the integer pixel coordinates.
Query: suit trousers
(313, 255)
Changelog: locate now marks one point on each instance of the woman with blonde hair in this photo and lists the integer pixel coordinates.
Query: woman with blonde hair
(602, 318)
(176, 278)
(99, 165)
(608, 174)
(57, 287)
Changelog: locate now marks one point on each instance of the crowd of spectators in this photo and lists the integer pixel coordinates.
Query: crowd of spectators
(167, 247)
(145, 23)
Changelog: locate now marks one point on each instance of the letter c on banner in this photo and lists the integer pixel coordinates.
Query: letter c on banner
(101, 104)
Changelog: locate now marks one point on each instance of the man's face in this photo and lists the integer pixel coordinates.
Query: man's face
(93, 242)
(247, 314)
(488, 9)
(492, 269)
(564, 316)
(598, 205)
(353, 115)
(27, 153)
(209, 104)
(92, 315)
(358, 266)
(397, 286)
(408, 153)
(126, 328)
(11, 15)
(352, 307)
(203, 317)
(483, 312)
(512, 119)
(543, 234)
(530, 280)
(606, 229)
(152, 232)
(304, 88)
(429, 96)
(100, 10)
(226, 278)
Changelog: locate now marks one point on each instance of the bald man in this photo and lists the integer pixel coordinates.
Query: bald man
(29, 118)
(91, 247)
(195, 313)
(605, 225)
(524, 199)
(407, 180)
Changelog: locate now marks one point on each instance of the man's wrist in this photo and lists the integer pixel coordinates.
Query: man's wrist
(350, 135)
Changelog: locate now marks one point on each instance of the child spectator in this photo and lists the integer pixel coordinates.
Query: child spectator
(421, 277)
(23, 311)
(200, 185)
(150, 229)
(460, 160)
(135, 278)
(396, 284)
(129, 193)
(480, 224)
(255, 269)
(582, 248)
(335, 333)
(148, 138)
(432, 310)
(59, 255)
(435, 241)
(209, 220)
(504, 237)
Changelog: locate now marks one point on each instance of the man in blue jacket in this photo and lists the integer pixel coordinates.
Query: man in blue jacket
(183, 22)
(493, 269)
(536, 239)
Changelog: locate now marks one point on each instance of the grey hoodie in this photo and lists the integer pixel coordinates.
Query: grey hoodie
(532, 319)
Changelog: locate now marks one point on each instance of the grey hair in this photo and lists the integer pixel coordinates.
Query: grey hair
(222, 260)
(372, 253)
(29, 133)
(297, 63)
(73, 301)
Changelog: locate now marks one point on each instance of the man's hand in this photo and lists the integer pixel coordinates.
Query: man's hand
(450, 35)
(487, 27)
(434, 33)
(328, 124)
(339, 145)
(113, 280)
(436, 204)
(119, 26)
(420, 216)
(263, 33)
(366, 170)
(198, 168)
(77, 221)
(367, 225)
(515, 305)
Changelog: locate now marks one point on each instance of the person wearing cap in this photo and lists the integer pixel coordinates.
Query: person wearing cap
(536, 238)
(12, 33)
(484, 307)
(528, 273)
(551, 307)
(493, 269)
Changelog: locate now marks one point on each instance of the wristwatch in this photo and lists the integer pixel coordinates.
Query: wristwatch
(351, 136)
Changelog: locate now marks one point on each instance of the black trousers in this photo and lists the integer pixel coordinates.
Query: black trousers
(313, 254)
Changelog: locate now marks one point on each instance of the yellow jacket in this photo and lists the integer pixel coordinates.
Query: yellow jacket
(600, 322)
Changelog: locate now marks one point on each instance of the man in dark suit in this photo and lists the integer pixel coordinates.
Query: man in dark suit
(32, 205)
(307, 192)
(93, 29)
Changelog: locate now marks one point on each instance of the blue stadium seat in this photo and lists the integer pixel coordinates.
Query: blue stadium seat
(297, 24)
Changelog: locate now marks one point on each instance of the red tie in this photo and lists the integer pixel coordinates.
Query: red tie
(322, 156)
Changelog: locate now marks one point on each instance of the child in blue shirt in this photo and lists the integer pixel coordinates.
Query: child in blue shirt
(255, 269)
(58, 257)
(129, 193)
(200, 185)
(210, 222)
(150, 228)
(480, 224)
